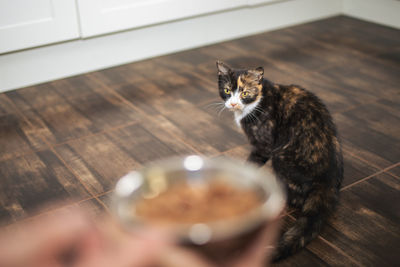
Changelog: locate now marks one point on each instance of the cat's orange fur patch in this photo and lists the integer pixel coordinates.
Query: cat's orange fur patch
(247, 83)
(240, 82)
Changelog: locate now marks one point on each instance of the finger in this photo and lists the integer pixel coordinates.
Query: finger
(142, 248)
(134, 254)
(38, 241)
(123, 249)
(61, 231)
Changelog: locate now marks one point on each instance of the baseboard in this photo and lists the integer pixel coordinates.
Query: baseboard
(57, 61)
(385, 12)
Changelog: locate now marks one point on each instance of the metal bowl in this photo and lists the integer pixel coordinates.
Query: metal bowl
(157, 177)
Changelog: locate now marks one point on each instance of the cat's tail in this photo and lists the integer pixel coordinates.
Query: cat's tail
(316, 209)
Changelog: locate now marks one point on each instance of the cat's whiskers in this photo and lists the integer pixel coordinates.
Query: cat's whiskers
(253, 117)
(215, 104)
(260, 109)
(219, 113)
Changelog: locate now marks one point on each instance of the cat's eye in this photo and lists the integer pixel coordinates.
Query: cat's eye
(245, 93)
(227, 91)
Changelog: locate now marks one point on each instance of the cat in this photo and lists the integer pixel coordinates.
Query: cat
(293, 128)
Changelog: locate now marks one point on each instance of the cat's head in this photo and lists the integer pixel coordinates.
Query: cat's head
(240, 89)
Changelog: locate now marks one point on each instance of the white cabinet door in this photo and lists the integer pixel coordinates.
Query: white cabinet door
(104, 16)
(28, 23)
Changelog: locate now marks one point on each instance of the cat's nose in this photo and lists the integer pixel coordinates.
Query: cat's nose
(233, 104)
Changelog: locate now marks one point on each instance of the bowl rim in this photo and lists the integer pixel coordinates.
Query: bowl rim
(270, 209)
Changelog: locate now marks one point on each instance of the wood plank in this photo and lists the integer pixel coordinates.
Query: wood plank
(160, 128)
(100, 160)
(331, 255)
(392, 55)
(33, 180)
(150, 99)
(395, 172)
(205, 133)
(17, 137)
(366, 224)
(356, 169)
(34, 96)
(224, 51)
(239, 152)
(59, 119)
(81, 86)
(97, 161)
(369, 157)
(360, 134)
(349, 33)
(383, 119)
(366, 75)
(141, 144)
(6, 106)
(106, 200)
(176, 81)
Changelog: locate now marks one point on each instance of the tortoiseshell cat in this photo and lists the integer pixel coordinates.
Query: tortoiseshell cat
(293, 128)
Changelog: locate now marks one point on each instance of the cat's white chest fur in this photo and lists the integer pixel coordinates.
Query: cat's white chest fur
(238, 117)
(240, 114)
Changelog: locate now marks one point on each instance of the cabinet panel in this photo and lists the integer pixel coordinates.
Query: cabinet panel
(25, 24)
(100, 17)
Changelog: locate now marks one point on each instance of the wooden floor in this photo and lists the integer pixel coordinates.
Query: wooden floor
(69, 140)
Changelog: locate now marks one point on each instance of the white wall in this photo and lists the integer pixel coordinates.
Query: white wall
(386, 12)
(41, 64)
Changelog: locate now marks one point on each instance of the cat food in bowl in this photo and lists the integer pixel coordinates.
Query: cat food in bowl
(204, 202)
(213, 205)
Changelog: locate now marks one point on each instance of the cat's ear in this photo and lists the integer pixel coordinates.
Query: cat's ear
(258, 73)
(223, 69)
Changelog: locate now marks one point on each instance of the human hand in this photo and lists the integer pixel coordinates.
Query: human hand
(72, 239)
